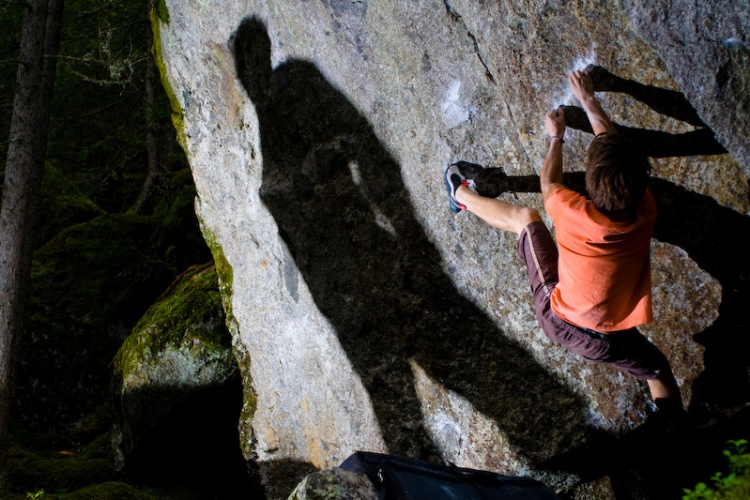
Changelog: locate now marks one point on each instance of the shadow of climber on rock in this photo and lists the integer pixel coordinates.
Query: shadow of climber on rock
(671, 103)
(343, 211)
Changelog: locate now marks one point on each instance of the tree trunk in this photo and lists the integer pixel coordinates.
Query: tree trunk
(152, 126)
(40, 40)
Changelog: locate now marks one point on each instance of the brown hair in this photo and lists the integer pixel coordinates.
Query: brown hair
(617, 174)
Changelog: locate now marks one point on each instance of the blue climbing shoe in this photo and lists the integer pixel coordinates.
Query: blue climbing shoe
(453, 179)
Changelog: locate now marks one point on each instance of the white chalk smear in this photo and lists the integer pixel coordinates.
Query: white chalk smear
(454, 111)
(733, 42)
(580, 63)
(564, 94)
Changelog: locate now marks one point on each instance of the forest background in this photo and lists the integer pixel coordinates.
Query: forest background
(115, 226)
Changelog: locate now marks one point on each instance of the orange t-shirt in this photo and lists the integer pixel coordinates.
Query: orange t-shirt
(604, 266)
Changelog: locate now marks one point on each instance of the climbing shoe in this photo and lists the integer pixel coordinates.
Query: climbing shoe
(670, 415)
(453, 180)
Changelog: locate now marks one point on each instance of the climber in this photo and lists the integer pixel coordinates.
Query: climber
(593, 288)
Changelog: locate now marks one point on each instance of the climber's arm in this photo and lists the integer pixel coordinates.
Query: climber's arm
(583, 88)
(551, 175)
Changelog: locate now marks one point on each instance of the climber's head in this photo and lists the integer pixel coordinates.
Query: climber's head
(252, 55)
(617, 173)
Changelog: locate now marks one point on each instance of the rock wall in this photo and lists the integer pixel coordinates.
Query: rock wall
(366, 316)
(704, 46)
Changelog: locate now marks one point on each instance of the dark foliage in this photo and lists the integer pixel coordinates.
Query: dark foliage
(96, 268)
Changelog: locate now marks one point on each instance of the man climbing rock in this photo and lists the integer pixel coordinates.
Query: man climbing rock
(593, 289)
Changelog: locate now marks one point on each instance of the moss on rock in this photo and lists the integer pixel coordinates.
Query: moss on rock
(159, 14)
(225, 274)
(189, 314)
(161, 11)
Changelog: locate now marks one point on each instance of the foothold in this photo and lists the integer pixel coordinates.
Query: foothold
(733, 43)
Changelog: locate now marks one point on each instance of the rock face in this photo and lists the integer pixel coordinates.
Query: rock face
(334, 483)
(704, 46)
(365, 315)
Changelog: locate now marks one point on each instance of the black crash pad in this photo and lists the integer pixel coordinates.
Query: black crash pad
(406, 478)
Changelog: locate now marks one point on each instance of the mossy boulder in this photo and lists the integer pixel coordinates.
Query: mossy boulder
(180, 347)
